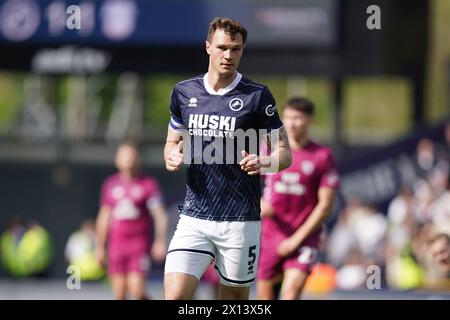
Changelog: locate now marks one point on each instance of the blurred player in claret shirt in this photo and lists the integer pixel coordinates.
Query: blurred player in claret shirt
(295, 204)
(131, 208)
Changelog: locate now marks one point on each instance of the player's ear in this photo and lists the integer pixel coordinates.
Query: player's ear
(208, 47)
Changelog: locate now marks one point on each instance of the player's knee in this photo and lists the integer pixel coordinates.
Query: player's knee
(264, 292)
(120, 291)
(172, 292)
(120, 295)
(138, 294)
(290, 296)
(233, 293)
(179, 286)
(264, 295)
(177, 295)
(291, 291)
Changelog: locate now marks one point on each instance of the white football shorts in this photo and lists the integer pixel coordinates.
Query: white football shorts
(232, 245)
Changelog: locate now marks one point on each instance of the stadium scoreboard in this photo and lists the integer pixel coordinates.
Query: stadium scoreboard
(310, 24)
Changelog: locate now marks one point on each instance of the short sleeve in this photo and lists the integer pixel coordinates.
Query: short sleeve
(267, 112)
(105, 200)
(176, 121)
(330, 176)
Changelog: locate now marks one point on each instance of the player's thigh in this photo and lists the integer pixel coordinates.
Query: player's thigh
(270, 266)
(268, 288)
(119, 285)
(190, 250)
(136, 285)
(296, 271)
(179, 286)
(117, 262)
(238, 253)
(269, 272)
(294, 280)
(189, 236)
(138, 261)
(303, 259)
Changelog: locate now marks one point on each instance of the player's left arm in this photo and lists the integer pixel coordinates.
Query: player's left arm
(161, 225)
(279, 153)
(279, 159)
(318, 216)
(161, 218)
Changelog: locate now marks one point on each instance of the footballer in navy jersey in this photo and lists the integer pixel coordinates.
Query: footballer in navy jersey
(222, 192)
(211, 116)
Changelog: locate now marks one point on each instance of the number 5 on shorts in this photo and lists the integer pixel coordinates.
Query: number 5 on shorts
(251, 258)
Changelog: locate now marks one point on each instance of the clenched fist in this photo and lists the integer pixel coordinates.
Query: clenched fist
(175, 158)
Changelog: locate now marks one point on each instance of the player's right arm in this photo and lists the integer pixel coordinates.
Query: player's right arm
(101, 228)
(266, 209)
(173, 150)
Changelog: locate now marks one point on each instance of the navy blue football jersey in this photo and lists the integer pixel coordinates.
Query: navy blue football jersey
(221, 190)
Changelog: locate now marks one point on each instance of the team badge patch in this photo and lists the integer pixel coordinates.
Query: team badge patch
(118, 192)
(307, 167)
(236, 104)
(332, 177)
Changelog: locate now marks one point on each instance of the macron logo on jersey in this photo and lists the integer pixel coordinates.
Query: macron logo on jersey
(211, 125)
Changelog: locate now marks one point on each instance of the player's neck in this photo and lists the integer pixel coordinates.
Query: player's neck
(217, 81)
(299, 142)
(128, 175)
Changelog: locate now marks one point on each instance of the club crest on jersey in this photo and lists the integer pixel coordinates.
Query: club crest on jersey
(118, 192)
(193, 102)
(236, 104)
(332, 177)
(307, 167)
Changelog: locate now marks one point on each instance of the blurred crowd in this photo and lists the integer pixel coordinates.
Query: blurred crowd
(80, 251)
(409, 242)
(26, 248)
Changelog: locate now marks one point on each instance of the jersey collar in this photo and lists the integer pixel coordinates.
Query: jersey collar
(221, 91)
